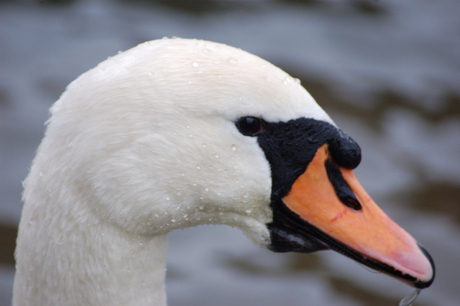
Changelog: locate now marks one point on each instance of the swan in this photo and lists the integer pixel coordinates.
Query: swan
(175, 133)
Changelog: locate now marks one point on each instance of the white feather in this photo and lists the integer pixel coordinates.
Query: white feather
(138, 146)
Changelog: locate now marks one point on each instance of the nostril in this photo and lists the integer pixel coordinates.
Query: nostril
(351, 202)
(343, 191)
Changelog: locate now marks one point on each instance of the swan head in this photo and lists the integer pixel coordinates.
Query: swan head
(175, 133)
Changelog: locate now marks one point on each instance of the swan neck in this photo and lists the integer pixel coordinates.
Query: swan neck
(86, 261)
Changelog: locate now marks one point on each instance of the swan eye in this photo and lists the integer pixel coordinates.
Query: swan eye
(250, 126)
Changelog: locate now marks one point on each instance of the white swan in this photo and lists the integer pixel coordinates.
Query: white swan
(174, 133)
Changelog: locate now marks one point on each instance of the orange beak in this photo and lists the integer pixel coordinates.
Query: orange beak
(331, 199)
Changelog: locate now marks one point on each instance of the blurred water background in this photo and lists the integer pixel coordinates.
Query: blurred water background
(387, 71)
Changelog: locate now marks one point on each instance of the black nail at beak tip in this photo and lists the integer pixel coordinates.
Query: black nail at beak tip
(426, 284)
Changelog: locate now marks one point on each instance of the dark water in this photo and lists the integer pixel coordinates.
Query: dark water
(387, 72)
